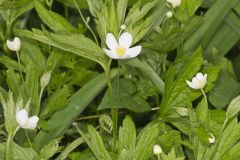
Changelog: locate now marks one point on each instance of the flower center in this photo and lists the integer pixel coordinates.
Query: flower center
(120, 50)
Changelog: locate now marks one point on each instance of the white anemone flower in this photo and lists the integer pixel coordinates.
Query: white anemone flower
(211, 139)
(121, 49)
(157, 150)
(24, 121)
(14, 45)
(174, 3)
(198, 82)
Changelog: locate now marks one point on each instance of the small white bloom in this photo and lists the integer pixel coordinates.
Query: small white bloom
(24, 121)
(45, 79)
(123, 27)
(175, 3)
(198, 82)
(157, 150)
(121, 49)
(169, 14)
(182, 111)
(211, 139)
(14, 45)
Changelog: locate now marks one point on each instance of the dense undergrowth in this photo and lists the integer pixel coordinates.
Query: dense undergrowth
(119, 79)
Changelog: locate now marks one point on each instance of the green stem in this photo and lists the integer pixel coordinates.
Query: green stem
(8, 25)
(19, 66)
(205, 97)
(158, 157)
(95, 38)
(28, 139)
(113, 109)
(39, 101)
(9, 140)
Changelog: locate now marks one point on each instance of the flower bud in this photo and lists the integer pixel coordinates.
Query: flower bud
(45, 79)
(157, 150)
(169, 14)
(14, 45)
(123, 27)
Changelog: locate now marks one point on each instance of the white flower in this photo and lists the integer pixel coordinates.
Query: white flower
(14, 45)
(121, 49)
(24, 121)
(157, 150)
(175, 3)
(123, 27)
(169, 14)
(198, 82)
(182, 111)
(211, 139)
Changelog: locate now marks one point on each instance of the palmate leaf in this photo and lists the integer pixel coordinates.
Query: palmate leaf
(127, 139)
(95, 142)
(74, 43)
(176, 89)
(145, 142)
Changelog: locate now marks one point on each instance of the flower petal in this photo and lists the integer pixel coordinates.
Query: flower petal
(190, 84)
(199, 76)
(32, 122)
(111, 54)
(22, 117)
(132, 52)
(111, 41)
(14, 45)
(125, 40)
(205, 76)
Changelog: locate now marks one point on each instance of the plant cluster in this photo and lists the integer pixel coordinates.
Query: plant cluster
(119, 79)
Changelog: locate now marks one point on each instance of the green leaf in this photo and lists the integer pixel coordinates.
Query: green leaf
(95, 142)
(56, 101)
(212, 20)
(63, 155)
(225, 90)
(233, 108)
(74, 43)
(147, 71)
(175, 91)
(123, 97)
(50, 149)
(145, 142)
(56, 22)
(127, 138)
(77, 103)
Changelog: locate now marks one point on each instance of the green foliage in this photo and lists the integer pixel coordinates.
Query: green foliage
(124, 96)
(106, 109)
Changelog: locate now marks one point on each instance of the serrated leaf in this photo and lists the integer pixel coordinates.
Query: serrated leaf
(74, 43)
(127, 138)
(56, 22)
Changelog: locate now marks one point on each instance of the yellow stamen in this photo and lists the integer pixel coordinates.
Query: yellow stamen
(120, 50)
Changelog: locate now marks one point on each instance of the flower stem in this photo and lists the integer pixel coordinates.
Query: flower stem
(9, 140)
(158, 157)
(95, 38)
(113, 108)
(19, 66)
(205, 97)
(28, 139)
(39, 101)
